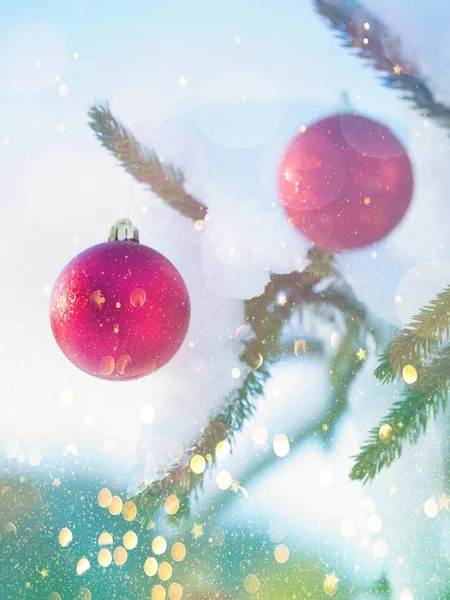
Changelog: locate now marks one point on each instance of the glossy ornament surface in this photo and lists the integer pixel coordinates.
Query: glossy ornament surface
(345, 182)
(120, 310)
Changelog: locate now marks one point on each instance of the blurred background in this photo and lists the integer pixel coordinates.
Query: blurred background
(219, 90)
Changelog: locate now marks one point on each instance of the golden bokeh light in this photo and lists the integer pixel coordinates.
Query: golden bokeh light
(259, 435)
(281, 445)
(83, 565)
(158, 592)
(120, 556)
(171, 505)
(178, 551)
(105, 539)
(224, 480)
(65, 537)
(197, 464)
(104, 557)
(129, 511)
(348, 529)
(165, 571)
(175, 591)
(375, 524)
(299, 347)
(252, 584)
(10, 528)
(431, 508)
(380, 548)
(281, 553)
(151, 566)
(115, 506)
(223, 449)
(409, 374)
(130, 540)
(235, 373)
(330, 584)
(159, 545)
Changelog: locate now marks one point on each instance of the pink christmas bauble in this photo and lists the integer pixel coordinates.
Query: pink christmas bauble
(345, 182)
(120, 310)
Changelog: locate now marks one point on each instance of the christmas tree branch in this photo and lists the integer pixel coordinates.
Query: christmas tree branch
(143, 163)
(408, 418)
(418, 339)
(344, 367)
(374, 42)
(266, 315)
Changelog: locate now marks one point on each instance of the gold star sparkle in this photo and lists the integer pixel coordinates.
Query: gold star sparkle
(197, 531)
(367, 200)
(397, 69)
(325, 427)
(361, 354)
(45, 573)
(235, 487)
(56, 482)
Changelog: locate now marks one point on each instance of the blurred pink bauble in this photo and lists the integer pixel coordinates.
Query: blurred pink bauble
(120, 310)
(345, 182)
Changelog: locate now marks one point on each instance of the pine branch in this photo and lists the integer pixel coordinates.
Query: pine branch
(418, 339)
(408, 418)
(267, 316)
(344, 368)
(143, 163)
(347, 17)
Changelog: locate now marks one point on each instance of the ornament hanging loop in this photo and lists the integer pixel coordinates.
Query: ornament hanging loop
(123, 230)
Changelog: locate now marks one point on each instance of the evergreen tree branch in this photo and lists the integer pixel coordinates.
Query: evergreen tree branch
(267, 316)
(344, 368)
(417, 340)
(143, 163)
(384, 52)
(408, 418)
